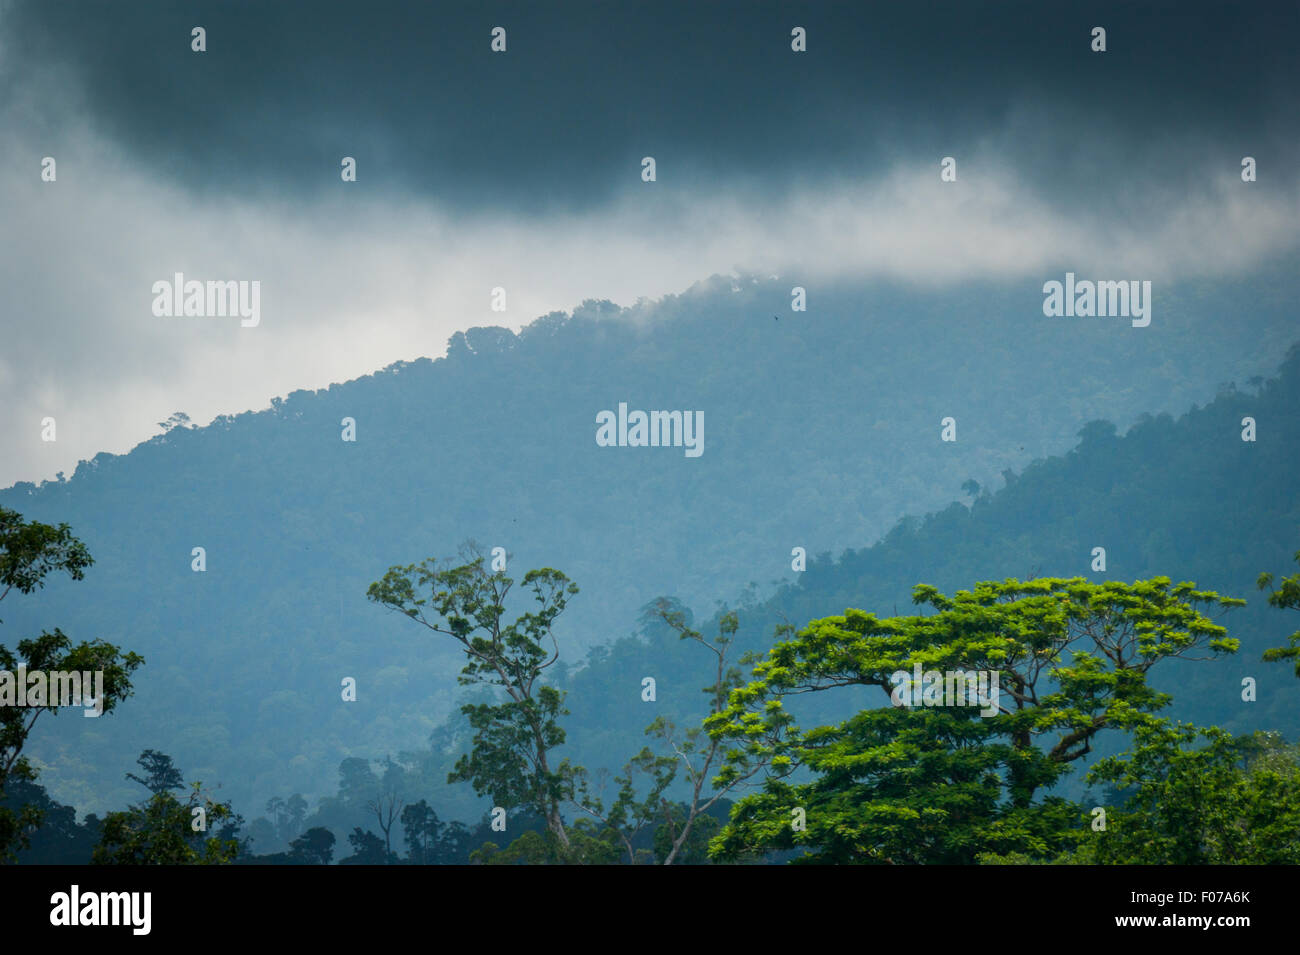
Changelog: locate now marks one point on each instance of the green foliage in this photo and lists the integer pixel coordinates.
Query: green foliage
(1169, 494)
(17, 824)
(161, 773)
(508, 760)
(588, 844)
(313, 847)
(1231, 801)
(60, 839)
(422, 830)
(160, 832)
(711, 771)
(294, 524)
(943, 783)
(367, 849)
(287, 815)
(29, 552)
(690, 845)
(531, 848)
(642, 800)
(632, 810)
(1285, 597)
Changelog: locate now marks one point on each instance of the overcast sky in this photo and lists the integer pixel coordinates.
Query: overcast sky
(522, 170)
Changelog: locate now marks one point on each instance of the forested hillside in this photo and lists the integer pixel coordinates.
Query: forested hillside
(1185, 498)
(496, 442)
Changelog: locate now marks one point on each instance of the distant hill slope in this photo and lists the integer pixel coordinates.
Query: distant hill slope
(1185, 498)
(821, 429)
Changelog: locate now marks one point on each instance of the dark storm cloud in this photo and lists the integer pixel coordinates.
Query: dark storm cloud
(710, 89)
(521, 171)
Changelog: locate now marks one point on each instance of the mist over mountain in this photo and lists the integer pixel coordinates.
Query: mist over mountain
(821, 430)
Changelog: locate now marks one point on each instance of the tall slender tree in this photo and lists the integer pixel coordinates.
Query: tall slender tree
(510, 758)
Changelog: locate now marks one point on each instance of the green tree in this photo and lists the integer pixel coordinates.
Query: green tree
(162, 831)
(422, 829)
(177, 419)
(693, 754)
(589, 843)
(1285, 597)
(629, 814)
(161, 774)
(694, 849)
(1232, 801)
(29, 552)
(60, 840)
(295, 811)
(357, 782)
(367, 849)
(286, 816)
(531, 848)
(313, 847)
(510, 755)
(938, 783)
(696, 753)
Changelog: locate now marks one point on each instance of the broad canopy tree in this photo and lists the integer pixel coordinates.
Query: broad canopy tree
(899, 784)
(922, 781)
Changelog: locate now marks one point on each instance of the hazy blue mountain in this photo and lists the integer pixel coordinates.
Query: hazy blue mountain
(821, 430)
(1184, 498)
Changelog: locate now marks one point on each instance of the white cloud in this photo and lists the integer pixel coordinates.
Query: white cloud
(349, 286)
